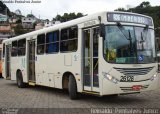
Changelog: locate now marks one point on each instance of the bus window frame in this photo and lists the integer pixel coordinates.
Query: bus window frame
(16, 49)
(58, 41)
(21, 47)
(41, 44)
(70, 39)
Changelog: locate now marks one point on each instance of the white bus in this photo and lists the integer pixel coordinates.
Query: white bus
(108, 53)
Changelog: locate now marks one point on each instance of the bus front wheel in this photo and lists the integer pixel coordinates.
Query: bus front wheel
(20, 82)
(72, 87)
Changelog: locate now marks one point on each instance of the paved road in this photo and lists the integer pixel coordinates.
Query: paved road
(42, 97)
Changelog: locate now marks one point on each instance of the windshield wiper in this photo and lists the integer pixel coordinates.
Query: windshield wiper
(130, 41)
(120, 29)
(130, 38)
(143, 39)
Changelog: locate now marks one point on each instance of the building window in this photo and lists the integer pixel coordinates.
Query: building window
(14, 49)
(69, 39)
(22, 47)
(40, 44)
(52, 42)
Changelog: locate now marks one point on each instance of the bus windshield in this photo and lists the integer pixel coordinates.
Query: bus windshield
(129, 45)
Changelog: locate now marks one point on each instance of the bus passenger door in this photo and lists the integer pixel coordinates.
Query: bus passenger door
(31, 60)
(90, 59)
(8, 62)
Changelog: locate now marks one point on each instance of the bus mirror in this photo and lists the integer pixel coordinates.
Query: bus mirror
(102, 30)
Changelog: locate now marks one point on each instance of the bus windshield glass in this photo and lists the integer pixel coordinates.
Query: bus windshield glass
(129, 45)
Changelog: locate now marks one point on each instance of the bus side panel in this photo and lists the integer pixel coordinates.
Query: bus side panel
(79, 63)
(40, 68)
(50, 69)
(18, 63)
(4, 60)
(3, 67)
(14, 67)
(69, 62)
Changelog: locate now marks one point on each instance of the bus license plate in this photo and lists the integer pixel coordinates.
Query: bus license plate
(127, 78)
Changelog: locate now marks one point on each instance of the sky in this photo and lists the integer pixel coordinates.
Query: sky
(48, 9)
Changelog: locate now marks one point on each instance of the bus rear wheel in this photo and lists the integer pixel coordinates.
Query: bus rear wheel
(72, 87)
(20, 82)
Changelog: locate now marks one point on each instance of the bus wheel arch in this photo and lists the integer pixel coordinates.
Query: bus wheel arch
(65, 80)
(19, 79)
(69, 83)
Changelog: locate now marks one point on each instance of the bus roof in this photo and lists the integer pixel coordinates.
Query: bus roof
(67, 24)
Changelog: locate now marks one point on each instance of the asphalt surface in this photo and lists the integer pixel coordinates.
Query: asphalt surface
(50, 100)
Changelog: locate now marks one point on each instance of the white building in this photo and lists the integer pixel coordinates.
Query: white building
(51, 23)
(28, 22)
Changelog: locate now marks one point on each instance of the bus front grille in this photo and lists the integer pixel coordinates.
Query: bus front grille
(134, 71)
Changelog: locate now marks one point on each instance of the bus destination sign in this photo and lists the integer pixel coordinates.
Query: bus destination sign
(129, 18)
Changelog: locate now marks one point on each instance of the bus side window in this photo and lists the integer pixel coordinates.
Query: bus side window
(40, 44)
(69, 39)
(52, 42)
(22, 47)
(14, 49)
(3, 50)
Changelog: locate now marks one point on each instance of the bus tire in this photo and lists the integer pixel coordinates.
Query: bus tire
(20, 82)
(72, 87)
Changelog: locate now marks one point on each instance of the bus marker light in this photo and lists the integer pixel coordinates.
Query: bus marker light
(136, 87)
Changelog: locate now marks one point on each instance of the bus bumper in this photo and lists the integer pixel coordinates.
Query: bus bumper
(109, 88)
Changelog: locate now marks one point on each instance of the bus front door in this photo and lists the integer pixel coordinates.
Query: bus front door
(90, 59)
(8, 62)
(31, 64)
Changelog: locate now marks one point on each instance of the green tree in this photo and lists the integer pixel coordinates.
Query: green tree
(4, 9)
(79, 15)
(19, 30)
(121, 9)
(18, 21)
(146, 9)
(58, 18)
(144, 5)
(67, 17)
(31, 15)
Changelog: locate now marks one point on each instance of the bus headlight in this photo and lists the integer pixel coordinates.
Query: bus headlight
(154, 77)
(110, 78)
